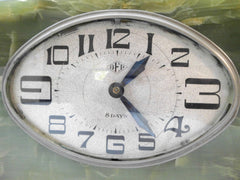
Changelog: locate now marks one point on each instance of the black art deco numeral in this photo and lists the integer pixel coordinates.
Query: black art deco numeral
(191, 105)
(117, 43)
(40, 95)
(81, 44)
(178, 130)
(179, 61)
(150, 41)
(58, 55)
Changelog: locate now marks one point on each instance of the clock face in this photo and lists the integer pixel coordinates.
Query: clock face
(121, 88)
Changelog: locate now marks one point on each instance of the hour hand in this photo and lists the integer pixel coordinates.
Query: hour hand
(138, 117)
(136, 69)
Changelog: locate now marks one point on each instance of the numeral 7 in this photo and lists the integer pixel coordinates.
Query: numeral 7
(86, 133)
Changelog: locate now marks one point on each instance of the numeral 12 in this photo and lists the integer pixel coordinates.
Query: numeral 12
(117, 43)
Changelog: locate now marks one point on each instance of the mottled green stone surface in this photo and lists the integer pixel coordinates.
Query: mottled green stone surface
(21, 158)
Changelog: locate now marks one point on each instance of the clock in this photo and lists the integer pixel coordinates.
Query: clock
(121, 88)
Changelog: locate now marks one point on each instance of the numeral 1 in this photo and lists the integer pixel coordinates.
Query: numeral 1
(81, 44)
(150, 40)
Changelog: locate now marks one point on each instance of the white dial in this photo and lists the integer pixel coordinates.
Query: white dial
(128, 89)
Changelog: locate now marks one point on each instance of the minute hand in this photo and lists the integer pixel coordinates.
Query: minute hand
(137, 68)
(137, 116)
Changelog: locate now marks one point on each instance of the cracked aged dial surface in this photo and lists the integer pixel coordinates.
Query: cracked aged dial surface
(121, 89)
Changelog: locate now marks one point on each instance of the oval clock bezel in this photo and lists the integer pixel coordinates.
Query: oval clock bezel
(134, 15)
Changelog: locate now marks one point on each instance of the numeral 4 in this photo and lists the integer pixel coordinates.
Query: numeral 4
(178, 130)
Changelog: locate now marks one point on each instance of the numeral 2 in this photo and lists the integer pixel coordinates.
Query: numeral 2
(117, 44)
(177, 61)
